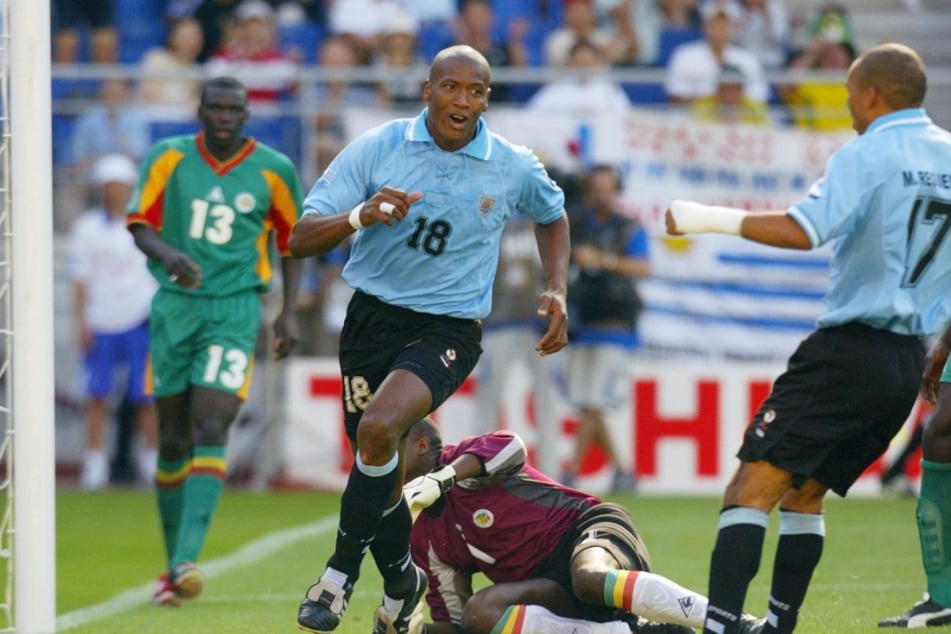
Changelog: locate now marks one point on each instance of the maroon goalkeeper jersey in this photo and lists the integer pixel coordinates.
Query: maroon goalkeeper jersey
(504, 524)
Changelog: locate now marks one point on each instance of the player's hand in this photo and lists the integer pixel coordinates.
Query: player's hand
(552, 306)
(423, 491)
(182, 271)
(286, 334)
(389, 205)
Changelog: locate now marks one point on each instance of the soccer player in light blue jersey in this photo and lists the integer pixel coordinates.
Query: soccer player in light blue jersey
(428, 198)
(885, 203)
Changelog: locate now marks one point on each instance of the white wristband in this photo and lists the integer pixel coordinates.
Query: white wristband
(355, 217)
(691, 217)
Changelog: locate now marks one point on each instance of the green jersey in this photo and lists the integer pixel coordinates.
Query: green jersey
(221, 215)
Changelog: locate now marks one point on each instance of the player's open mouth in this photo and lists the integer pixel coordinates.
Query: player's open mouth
(458, 121)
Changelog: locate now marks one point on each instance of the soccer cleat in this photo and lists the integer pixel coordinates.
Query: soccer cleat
(925, 613)
(187, 580)
(323, 606)
(749, 624)
(165, 592)
(409, 620)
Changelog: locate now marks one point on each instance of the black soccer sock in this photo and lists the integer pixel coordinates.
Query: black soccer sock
(390, 549)
(361, 507)
(734, 563)
(801, 536)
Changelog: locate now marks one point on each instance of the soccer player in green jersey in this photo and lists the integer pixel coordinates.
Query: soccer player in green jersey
(204, 212)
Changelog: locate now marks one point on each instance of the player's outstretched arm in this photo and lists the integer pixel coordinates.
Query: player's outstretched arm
(773, 228)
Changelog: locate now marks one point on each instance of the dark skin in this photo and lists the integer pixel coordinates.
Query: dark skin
(457, 93)
(936, 442)
(202, 415)
(485, 608)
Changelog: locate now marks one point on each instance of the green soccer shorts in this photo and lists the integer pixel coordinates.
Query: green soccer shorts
(206, 341)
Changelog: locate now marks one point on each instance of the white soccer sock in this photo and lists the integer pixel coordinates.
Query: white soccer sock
(657, 598)
(538, 620)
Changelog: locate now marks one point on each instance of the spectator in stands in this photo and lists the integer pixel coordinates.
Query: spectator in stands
(112, 291)
(217, 19)
(608, 253)
(729, 104)
(815, 104)
(694, 67)
(475, 26)
(113, 124)
(398, 58)
(646, 18)
(169, 80)
(69, 16)
(432, 11)
(619, 45)
(585, 91)
(331, 97)
(254, 56)
(764, 30)
(362, 22)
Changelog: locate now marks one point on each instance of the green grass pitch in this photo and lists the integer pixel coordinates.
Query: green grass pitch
(264, 549)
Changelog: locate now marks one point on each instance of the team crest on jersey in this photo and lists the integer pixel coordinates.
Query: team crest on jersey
(483, 518)
(486, 203)
(244, 202)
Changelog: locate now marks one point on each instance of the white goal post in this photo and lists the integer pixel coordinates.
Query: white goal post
(29, 535)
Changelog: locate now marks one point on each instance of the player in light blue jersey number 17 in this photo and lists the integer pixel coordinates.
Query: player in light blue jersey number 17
(885, 202)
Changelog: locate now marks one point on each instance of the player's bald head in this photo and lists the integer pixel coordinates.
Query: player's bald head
(453, 55)
(896, 71)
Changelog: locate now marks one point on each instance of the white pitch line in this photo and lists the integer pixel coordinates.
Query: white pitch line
(248, 554)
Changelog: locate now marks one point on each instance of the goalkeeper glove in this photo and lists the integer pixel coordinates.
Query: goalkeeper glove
(423, 491)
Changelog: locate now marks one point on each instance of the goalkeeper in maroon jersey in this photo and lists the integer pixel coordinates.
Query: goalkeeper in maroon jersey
(560, 560)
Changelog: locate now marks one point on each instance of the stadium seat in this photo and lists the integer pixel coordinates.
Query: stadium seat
(303, 38)
(649, 93)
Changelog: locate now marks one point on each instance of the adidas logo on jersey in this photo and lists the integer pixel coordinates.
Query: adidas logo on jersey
(216, 195)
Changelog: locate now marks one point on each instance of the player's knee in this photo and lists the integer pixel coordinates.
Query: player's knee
(174, 446)
(481, 614)
(377, 438)
(588, 584)
(212, 430)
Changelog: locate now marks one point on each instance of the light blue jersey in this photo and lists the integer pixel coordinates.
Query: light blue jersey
(886, 200)
(441, 259)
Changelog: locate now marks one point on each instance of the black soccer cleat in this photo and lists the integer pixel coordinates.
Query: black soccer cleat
(640, 625)
(925, 613)
(323, 606)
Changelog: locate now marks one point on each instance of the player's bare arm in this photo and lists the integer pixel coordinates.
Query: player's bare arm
(554, 248)
(286, 329)
(181, 269)
(316, 234)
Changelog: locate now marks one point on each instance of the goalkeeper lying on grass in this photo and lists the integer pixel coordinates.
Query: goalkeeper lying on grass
(561, 560)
